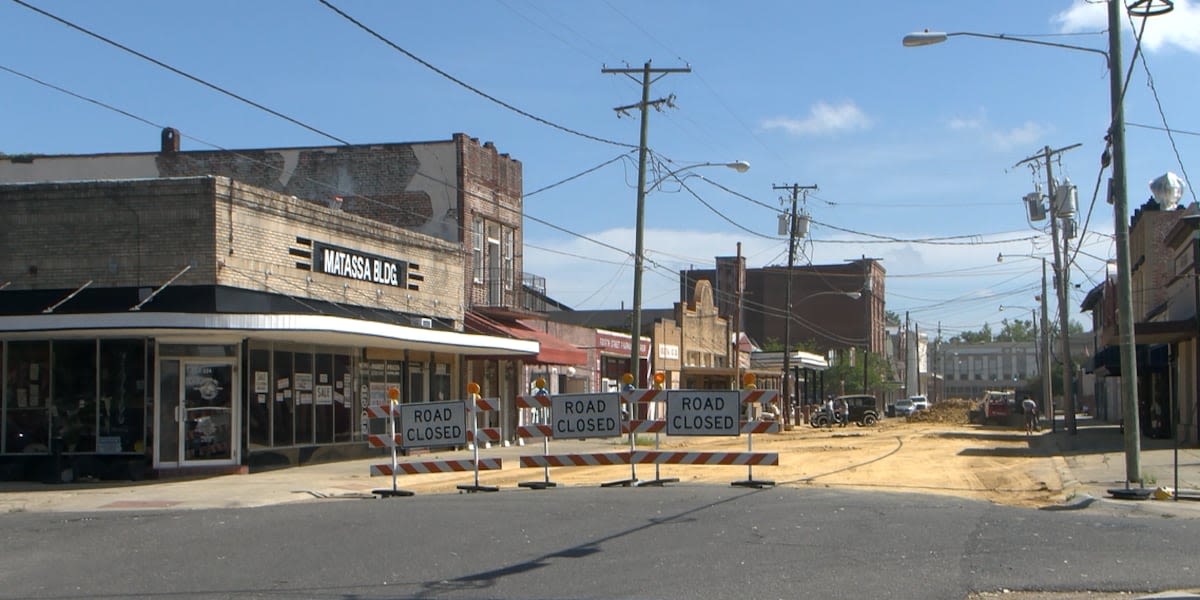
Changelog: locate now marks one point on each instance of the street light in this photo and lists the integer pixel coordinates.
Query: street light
(787, 340)
(1047, 388)
(740, 166)
(1119, 198)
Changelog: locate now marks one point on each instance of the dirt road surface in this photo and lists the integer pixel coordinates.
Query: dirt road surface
(996, 464)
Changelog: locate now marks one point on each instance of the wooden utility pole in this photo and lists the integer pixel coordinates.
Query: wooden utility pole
(792, 231)
(643, 106)
(1062, 277)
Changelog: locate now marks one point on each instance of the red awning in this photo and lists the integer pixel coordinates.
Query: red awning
(551, 350)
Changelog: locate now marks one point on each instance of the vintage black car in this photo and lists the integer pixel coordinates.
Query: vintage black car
(864, 410)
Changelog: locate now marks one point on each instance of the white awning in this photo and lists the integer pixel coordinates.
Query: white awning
(312, 329)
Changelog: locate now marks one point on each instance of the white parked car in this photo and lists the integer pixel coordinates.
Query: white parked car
(919, 403)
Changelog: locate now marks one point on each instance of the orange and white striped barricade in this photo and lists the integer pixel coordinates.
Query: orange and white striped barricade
(392, 440)
(711, 413)
(633, 400)
(660, 457)
(653, 400)
(541, 429)
(754, 400)
(580, 416)
(475, 406)
(423, 425)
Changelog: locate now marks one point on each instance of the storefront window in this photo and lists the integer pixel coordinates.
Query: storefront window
(416, 383)
(323, 398)
(122, 396)
(439, 383)
(258, 401)
(282, 405)
(26, 393)
(303, 395)
(380, 375)
(73, 414)
(344, 408)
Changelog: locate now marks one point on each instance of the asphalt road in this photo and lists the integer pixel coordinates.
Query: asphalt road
(688, 541)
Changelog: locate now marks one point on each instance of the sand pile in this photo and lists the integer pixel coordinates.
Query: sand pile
(953, 410)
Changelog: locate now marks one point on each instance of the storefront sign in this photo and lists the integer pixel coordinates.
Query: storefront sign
(353, 264)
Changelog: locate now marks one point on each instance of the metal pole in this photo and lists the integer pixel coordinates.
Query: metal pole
(1129, 387)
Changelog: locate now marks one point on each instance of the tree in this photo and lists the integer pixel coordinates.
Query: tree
(983, 336)
(1017, 330)
(844, 377)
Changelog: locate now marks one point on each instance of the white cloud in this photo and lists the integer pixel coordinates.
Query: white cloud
(1179, 28)
(966, 123)
(823, 119)
(1024, 135)
(1000, 139)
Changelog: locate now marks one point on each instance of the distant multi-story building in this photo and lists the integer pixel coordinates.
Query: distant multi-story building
(833, 307)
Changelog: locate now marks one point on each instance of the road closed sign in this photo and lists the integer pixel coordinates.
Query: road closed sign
(428, 424)
(585, 415)
(704, 412)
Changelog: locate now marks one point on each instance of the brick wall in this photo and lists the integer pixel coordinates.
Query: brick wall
(143, 232)
(492, 190)
(114, 233)
(1150, 257)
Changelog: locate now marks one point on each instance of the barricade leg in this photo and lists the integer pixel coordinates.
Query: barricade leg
(630, 409)
(750, 481)
(395, 492)
(545, 482)
(658, 480)
(476, 487)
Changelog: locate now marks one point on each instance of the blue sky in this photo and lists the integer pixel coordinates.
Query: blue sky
(915, 145)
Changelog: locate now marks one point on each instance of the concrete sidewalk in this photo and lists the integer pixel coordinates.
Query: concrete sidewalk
(327, 481)
(1093, 468)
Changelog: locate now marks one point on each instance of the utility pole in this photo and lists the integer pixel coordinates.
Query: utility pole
(737, 322)
(939, 393)
(1061, 276)
(792, 231)
(908, 392)
(644, 106)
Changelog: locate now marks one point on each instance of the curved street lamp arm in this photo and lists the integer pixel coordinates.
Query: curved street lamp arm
(927, 38)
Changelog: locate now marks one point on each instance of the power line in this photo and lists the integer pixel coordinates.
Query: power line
(181, 73)
(464, 84)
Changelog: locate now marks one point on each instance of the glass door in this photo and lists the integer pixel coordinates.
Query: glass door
(207, 426)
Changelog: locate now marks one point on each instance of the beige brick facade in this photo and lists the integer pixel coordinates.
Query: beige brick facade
(141, 233)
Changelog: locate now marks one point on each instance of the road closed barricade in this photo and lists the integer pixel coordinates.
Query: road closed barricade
(687, 413)
(430, 425)
(573, 416)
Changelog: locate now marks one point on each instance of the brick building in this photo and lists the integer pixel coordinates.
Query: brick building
(834, 307)
(223, 309)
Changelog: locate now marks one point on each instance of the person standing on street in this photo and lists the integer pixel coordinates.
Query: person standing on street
(1029, 407)
(842, 410)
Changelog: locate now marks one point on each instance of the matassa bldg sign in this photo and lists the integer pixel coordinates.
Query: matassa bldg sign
(353, 264)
